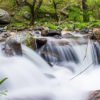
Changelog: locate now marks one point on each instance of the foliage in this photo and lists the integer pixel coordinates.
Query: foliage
(9, 5)
(20, 14)
(1, 82)
(65, 10)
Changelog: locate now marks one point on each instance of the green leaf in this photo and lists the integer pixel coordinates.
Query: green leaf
(1, 81)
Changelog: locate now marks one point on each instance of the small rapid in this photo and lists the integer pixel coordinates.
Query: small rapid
(31, 78)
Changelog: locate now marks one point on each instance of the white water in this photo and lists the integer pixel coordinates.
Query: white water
(28, 80)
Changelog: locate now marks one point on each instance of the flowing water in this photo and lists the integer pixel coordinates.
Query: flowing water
(31, 78)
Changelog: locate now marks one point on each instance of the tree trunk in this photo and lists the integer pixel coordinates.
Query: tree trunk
(55, 7)
(34, 9)
(85, 11)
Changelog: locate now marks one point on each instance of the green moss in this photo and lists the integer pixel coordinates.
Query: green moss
(30, 41)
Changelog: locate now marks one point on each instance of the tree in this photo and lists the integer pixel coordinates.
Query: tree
(85, 11)
(34, 6)
(55, 4)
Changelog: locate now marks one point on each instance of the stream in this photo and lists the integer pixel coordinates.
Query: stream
(74, 73)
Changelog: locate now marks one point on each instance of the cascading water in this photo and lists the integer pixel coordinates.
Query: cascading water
(59, 53)
(31, 78)
(71, 54)
(96, 52)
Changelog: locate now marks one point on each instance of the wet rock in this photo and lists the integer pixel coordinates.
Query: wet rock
(63, 42)
(84, 31)
(43, 30)
(66, 34)
(95, 95)
(12, 47)
(1, 29)
(54, 33)
(4, 36)
(96, 32)
(2, 39)
(38, 28)
(93, 37)
(30, 41)
(40, 42)
(4, 17)
(37, 33)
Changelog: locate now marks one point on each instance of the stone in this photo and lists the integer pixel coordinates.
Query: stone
(12, 47)
(4, 36)
(38, 28)
(84, 31)
(95, 95)
(1, 29)
(43, 30)
(2, 39)
(53, 33)
(65, 33)
(4, 17)
(40, 42)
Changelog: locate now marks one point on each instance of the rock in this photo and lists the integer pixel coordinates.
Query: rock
(65, 33)
(38, 28)
(4, 17)
(2, 39)
(84, 31)
(93, 37)
(4, 36)
(12, 47)
(40, 42)
(96, 32)
(68, 35)
(63, 42)
(43, 30)
(53, 33)
(30, 41)
(37, 33)
(1, 29)
(95, 95)
(13, 33)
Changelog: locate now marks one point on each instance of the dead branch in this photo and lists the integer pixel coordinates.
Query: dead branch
(82, 71)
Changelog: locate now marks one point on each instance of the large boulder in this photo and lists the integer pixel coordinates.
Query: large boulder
(4, 17)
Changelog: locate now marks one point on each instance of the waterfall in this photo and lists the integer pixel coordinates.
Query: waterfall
(96, 52)
(31, 78)
(71, 54)
(57, 54)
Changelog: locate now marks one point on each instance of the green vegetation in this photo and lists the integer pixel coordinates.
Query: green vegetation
(30, 41)
(4, 92)
(53, 13)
